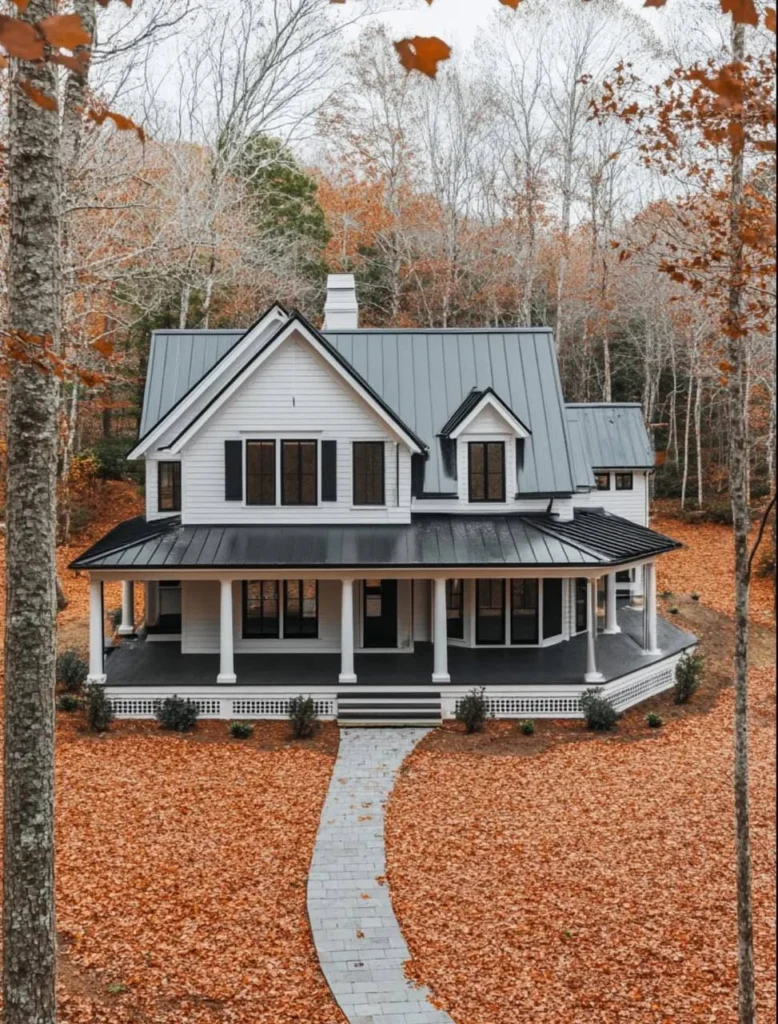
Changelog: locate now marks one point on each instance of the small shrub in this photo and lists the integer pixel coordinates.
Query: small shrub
(527, 727)
(688, 676)
(176, 714)
(99, 713)
(241, 730)
(654, 720)
(67, 702)
(115, 617)
(666, 595)
(472, 710)
(303, 717)
(72, 671)
(673, 610)
(599, 712)
(696, 595)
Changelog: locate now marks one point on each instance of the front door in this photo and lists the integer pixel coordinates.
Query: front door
(380, 613)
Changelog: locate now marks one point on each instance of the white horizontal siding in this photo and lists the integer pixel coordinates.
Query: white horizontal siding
(293, 394)
(632, 505)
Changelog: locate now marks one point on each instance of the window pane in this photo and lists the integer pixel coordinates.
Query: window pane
(368, 459)
(524, 611)
(490, 619)
(169, 487)
(603, 481)
(298, 460)
(581, 598)
(455, 609)
(477, 472)
(301, 614)
(260, 609)
(260, 472)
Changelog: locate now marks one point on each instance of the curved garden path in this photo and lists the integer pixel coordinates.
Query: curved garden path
(357, 938)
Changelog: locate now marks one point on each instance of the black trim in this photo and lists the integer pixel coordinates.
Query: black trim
(329, 471)
(270, 308)
(624, 476)
(471, 401)
(233, 471)
(331, 350)
(285, 443)
(176, 485)
(486, 445)
(366, 446)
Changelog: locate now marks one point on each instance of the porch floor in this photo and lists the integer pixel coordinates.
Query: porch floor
(137, 663)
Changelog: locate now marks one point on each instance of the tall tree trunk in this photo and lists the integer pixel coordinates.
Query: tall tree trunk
(738, 458)
(686, 434)
(29, 942)
(698, 438)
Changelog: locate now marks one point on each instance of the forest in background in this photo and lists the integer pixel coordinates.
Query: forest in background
(494, 195)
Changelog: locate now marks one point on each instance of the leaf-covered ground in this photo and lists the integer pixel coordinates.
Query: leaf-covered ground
(591, 879)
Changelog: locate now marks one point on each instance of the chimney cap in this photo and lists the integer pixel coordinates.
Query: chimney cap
(341, 311)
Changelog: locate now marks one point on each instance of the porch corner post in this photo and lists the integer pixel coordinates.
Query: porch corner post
(347, 674)
(652, 645)
(96, 631)
(440, 634)
(611, 614)
(592, 675)
(226, 656)
(152, 603)
(127, 627)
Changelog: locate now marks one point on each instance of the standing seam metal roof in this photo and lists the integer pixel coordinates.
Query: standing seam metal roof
(614, 434)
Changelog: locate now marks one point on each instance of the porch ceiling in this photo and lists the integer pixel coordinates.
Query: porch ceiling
(593, 538)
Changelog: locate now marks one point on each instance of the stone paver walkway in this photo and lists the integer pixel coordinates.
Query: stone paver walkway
(357, 937)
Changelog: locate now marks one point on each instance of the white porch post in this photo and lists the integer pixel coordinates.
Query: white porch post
(611, 616)
(226, 658)
(440, 633)
(96, 629)
(652, 646)
(127, 627)
(347, 632)
(592, 675)
(152, 603)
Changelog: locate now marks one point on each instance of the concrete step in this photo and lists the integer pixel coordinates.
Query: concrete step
(379, 708)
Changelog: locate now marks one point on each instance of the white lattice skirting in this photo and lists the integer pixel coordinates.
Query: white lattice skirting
(565, 701)
(144, 703)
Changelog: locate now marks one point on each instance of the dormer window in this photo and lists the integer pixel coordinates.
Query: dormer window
(486, 471)
(169, 490)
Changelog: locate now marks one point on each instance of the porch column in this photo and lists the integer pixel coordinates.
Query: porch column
(152, 603)
(611, 616)
(127, 627)
(440, 633)
(96, 630)
(592, 675)
(226, 658)
(652, 647)
(347, 632)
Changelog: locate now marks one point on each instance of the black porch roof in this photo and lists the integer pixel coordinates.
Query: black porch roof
(592, 538)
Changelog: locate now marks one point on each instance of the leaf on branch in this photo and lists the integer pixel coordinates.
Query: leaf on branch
(423, 53)
(507, 3)
(20, 39)
(75, 63)
(743, 11)
(655, 3)
(65, 30)
(769, 19)
(3, 62)
(41, 98)
(21, 5)
(104, 347)
(124, 124)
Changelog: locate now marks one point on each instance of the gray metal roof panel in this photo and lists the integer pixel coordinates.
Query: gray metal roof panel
(614, 434)
(592, 538)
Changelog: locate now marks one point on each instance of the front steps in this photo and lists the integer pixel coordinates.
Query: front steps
(361, 708)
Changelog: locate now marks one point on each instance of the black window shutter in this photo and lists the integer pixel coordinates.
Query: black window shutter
(329, 471)
(233, 471)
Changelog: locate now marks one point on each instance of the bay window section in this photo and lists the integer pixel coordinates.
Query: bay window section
(301, 609)
(490, 612)
(525, 612)
(260, 472)
(455, 609)
(299, 477)
(486, 471)
(260, 609)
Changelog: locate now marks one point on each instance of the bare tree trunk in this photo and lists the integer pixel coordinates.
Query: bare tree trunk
(183, 312)
(34, 273)
(67, 459)
(686, 432)
(698, 438)
(738, 458)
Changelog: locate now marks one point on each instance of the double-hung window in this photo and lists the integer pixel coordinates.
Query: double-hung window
(603, 481)
(260, 472)
(486, 471)
(624, 481)
(301, 608)
(169, 487)
(368, 458)
(260, 609)
(299, 476)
